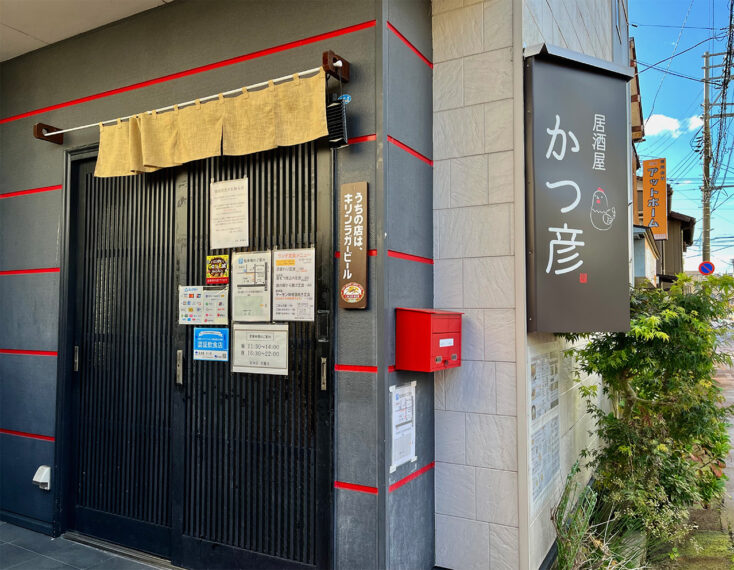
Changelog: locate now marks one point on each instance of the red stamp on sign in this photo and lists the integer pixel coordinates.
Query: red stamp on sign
(583, 277)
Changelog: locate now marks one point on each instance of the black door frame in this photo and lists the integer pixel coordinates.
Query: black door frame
(210, 554)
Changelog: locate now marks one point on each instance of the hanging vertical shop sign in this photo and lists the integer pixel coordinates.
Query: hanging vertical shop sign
(228, 214)
(655, 197)
(260, 349)
(353, 246)
(294, 284)
(211, 344)
(251, 288)
(578, 172)
(217, 269)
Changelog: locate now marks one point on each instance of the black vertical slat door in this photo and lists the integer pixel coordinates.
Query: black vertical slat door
(124, 316)
(226, 470)
(252, 468)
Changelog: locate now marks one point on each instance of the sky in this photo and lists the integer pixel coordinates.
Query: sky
(672, 106)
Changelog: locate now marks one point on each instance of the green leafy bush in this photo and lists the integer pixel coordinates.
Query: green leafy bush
(663, 444)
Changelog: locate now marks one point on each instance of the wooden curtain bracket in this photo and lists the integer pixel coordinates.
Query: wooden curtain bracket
(46, 132)
(340, 73)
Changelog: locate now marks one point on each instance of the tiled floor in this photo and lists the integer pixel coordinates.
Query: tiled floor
(22, 549)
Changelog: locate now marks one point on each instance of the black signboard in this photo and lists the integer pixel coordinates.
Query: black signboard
(578, 175)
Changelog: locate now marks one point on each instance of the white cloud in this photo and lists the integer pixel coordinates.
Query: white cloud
(694, 122)
(660, 124)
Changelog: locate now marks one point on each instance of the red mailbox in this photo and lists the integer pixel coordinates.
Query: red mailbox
(427, 340)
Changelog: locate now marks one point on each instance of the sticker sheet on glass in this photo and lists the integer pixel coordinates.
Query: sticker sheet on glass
(228, 214)
(294, 284)
(403, 424)
(260, 349)
(251, 287)
(199, 305)
(211, 344)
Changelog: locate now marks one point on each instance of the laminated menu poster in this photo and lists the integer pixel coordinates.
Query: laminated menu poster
(251, 287)
(199, 305)
(228, 214)
(294, 284)
(403, 424)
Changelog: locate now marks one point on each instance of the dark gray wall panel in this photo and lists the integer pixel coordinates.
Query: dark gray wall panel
(30, 309)
(410, 204)
(410, 285)
(28, 393)
(356, 163)
(412, 18)
(356, 530)
(356, 433)
(30, 231)
(356, 335)
(19, 459)
(182, 36)
(410, 512)
(410, 99)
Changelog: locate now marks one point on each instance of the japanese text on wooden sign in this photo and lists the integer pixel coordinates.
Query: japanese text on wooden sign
(655, 197)
(353, 246)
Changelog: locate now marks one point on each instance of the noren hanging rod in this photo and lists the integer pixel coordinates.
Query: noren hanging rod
(169, 107)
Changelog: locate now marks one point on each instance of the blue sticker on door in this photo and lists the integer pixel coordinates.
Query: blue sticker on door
(211, 344)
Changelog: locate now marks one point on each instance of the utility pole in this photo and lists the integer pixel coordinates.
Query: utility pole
(706, 163)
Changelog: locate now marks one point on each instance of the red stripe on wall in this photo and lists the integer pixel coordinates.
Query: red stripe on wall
(30, 191)
(355, 368)
(29, 352)
(409, 150)
(353, 487)
(26, 271)
(196, 70)
(414, 49)
(372, 252)
(409, 257)
(362, 139)
(391, 368)
(410, 477)
(24, 434)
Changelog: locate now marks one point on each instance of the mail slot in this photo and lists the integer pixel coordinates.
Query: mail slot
(427, 340)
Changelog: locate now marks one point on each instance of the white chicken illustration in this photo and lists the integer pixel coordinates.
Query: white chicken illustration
(601, 215)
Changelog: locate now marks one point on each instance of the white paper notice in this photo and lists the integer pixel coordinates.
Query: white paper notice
(403, 424)
(228, 214)
(198, 305)
(251, 290)
(260, 349)
(545, 458)
(294, 284)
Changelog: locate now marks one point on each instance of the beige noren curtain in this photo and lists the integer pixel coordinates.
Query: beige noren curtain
(199, 130)
(285, 114)
(249, 122)
(158, 136)
(300, 110)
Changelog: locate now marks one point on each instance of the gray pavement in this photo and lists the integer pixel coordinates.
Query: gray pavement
(22, 549)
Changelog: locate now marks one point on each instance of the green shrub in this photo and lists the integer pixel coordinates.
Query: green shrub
(663, 444)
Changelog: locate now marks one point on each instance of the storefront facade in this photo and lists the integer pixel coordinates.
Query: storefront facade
(214, 468)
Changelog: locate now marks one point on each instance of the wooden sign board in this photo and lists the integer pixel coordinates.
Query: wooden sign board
(353, 246)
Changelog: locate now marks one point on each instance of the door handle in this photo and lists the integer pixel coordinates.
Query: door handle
(179, 367)
(323, 372)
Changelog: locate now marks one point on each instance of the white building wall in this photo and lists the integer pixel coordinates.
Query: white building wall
(484, 512)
